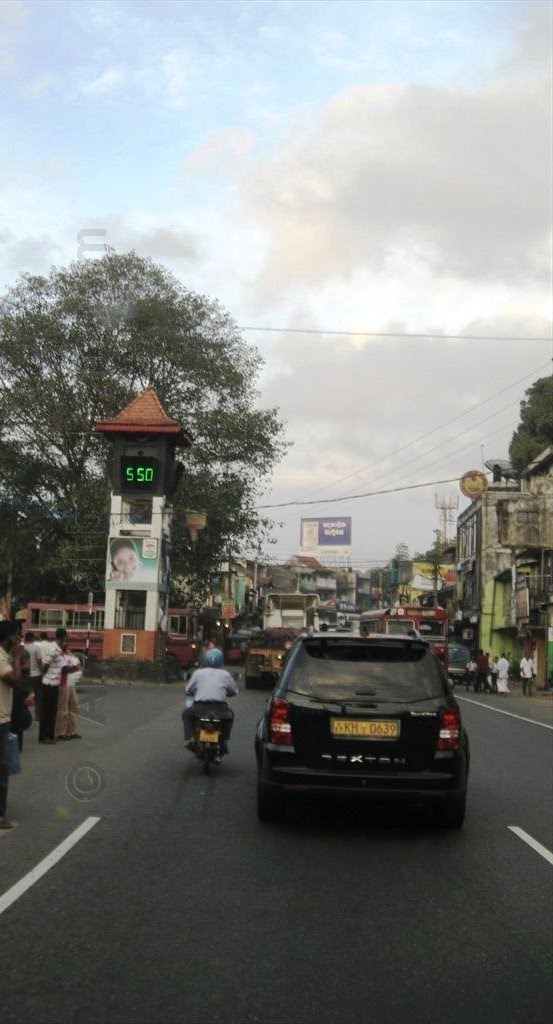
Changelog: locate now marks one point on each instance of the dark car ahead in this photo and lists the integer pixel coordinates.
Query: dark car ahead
(373, 717)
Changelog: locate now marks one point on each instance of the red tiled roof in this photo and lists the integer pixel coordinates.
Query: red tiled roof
(307, 560)
(144, 414)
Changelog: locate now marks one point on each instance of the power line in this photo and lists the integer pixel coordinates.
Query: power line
(422, 437)
(393, 490)
(396, 334)
(366, 494)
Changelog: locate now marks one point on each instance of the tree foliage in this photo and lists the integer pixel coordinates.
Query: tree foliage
(75, 348)
(535, 430)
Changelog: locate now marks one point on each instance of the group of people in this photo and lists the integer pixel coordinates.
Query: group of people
(487, 676)
(47, 669)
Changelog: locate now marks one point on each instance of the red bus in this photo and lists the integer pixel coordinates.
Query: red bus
(403, 620)
(85, 628)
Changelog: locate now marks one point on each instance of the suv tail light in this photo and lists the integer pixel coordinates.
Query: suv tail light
(449, 736)
(280, 729)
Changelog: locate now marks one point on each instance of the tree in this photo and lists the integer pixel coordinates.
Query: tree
(535, 430)
(75, 348)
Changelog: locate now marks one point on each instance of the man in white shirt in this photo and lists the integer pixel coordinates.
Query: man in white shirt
(68, 708)
(34, 650)
(527, 673)
(53, 662)
(503, 674)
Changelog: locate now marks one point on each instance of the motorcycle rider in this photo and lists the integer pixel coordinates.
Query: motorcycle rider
(209, 686)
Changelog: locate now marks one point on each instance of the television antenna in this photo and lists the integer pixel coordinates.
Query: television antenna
(447, 505)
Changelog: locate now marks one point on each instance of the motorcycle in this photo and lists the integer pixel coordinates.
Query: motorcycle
(209, 743)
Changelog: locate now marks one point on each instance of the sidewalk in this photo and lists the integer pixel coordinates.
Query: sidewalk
(516, 690)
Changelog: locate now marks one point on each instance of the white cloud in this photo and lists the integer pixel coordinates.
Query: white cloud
(178, 68)
(41, 86)
(110, 79)
(13, 17)
(221, 154)
(174, 243)
(460, 180)
(35, 252)
(373, 414)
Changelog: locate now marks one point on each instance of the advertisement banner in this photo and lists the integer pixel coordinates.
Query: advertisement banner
(427, 577)
(132, 563)
(331, 533)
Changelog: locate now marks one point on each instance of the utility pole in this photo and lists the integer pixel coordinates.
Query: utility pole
(230, 575)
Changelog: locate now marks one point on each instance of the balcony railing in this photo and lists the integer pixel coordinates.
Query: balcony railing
(129, 618)
(540, 587)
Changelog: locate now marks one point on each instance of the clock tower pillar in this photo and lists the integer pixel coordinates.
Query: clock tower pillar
(144, 475)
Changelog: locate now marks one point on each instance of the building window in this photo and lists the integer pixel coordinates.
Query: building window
(527, 517)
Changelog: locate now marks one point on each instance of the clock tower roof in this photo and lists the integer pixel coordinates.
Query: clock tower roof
(145, 415)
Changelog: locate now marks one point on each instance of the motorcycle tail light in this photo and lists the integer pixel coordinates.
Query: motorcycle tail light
(449, 736)
(280, 728)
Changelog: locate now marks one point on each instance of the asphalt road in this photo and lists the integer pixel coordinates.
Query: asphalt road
(178, 906)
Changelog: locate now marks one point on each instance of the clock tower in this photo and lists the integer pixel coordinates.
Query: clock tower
(144, 475)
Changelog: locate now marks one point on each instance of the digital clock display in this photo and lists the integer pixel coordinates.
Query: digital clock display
(138, 473)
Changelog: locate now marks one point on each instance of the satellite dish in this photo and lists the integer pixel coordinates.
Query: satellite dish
(501, 469)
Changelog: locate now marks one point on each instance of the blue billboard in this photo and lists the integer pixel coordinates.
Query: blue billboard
(327, 532)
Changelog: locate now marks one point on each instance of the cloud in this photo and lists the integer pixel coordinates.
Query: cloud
(13, 17)
(394, 413)
(178, 69)
(174, 243)
(219, 153)
(110, 79)
(462, 180)
(456, 180)
(35, 253)
(356, 403)
(41, 86)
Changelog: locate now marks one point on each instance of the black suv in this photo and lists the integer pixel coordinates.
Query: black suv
(371, 716)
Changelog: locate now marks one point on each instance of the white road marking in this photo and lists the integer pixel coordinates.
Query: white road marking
(542, 850)
(500, 711)
(49, 861)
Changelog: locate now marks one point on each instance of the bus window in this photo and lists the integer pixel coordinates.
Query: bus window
(403, 627)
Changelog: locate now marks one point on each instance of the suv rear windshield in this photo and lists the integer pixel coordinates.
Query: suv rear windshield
(356, 670)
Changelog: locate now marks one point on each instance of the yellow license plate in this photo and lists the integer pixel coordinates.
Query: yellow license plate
(208, 737)
(356, 729)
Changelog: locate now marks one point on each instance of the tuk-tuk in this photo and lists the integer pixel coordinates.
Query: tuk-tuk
(266, 654)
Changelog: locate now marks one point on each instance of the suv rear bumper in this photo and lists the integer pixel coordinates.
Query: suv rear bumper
(448, 776)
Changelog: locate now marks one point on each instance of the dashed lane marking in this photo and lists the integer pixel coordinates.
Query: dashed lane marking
(49, 861)
(542, 850)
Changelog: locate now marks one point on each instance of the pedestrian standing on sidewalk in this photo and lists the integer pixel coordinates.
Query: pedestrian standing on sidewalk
(68, 708)
(471, 674)
(503, 674)
(53, 662)
(493, 673)
(527, 673)
(482, 672)
(34, 651)
(9, 677)
(21, 716)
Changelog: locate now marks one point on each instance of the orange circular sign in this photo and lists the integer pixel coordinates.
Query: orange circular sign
(473, 484)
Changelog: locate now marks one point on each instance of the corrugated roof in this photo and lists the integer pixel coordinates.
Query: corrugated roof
(144, 413)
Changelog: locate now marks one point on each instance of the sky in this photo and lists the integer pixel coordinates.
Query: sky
(364, 186)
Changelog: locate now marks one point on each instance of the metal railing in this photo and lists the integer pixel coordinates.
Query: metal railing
(130, 618)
